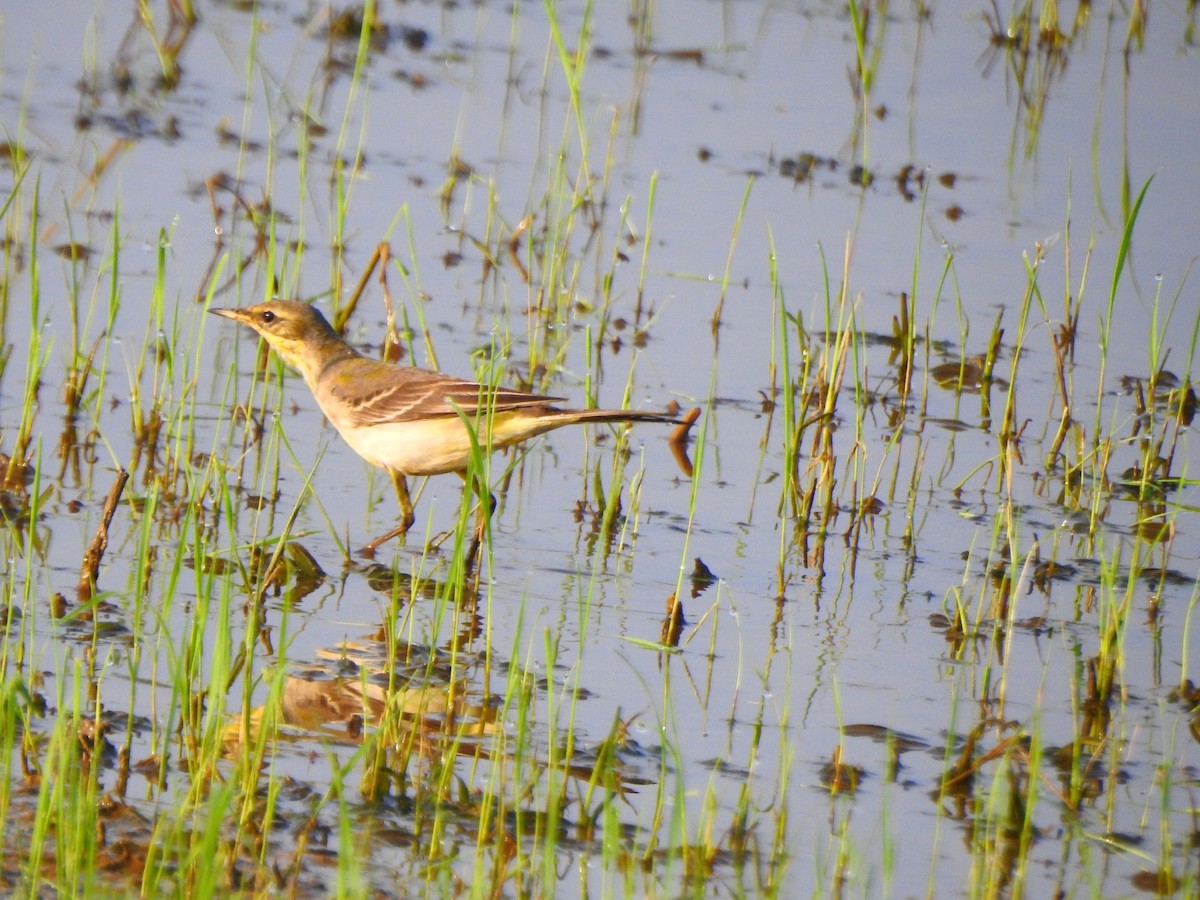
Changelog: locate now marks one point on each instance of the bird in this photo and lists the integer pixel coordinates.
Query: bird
(403, 419)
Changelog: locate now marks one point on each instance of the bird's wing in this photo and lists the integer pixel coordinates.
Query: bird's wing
(379, 394)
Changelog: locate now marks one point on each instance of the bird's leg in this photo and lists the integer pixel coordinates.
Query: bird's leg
(487, 500)
(406, 514)
(487, 505)
(485, 509)
(406, 508)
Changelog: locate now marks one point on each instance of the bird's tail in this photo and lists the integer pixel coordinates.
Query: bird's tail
(617, 415)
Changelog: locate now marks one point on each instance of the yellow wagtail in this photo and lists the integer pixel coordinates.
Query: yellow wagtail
(403, 419)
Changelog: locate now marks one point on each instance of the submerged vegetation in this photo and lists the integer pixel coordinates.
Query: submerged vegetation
(911, 612)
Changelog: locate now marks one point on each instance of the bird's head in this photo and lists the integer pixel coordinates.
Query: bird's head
(296, 331)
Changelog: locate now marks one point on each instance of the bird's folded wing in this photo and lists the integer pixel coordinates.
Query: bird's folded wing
(378, 394)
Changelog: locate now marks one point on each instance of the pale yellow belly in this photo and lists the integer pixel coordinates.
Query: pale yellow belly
(440, 445)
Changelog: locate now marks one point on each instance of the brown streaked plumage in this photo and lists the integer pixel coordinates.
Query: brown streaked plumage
(404, 419)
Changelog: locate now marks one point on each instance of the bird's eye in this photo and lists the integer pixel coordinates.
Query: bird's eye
(268, 316)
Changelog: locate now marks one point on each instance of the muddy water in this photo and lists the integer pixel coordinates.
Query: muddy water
(827, 717)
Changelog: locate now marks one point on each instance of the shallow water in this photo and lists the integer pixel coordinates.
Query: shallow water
(808, 641)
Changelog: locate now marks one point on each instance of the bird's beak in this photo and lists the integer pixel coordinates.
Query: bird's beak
(236, 314)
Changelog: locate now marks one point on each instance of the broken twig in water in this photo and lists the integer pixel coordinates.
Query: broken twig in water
(86, 589)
